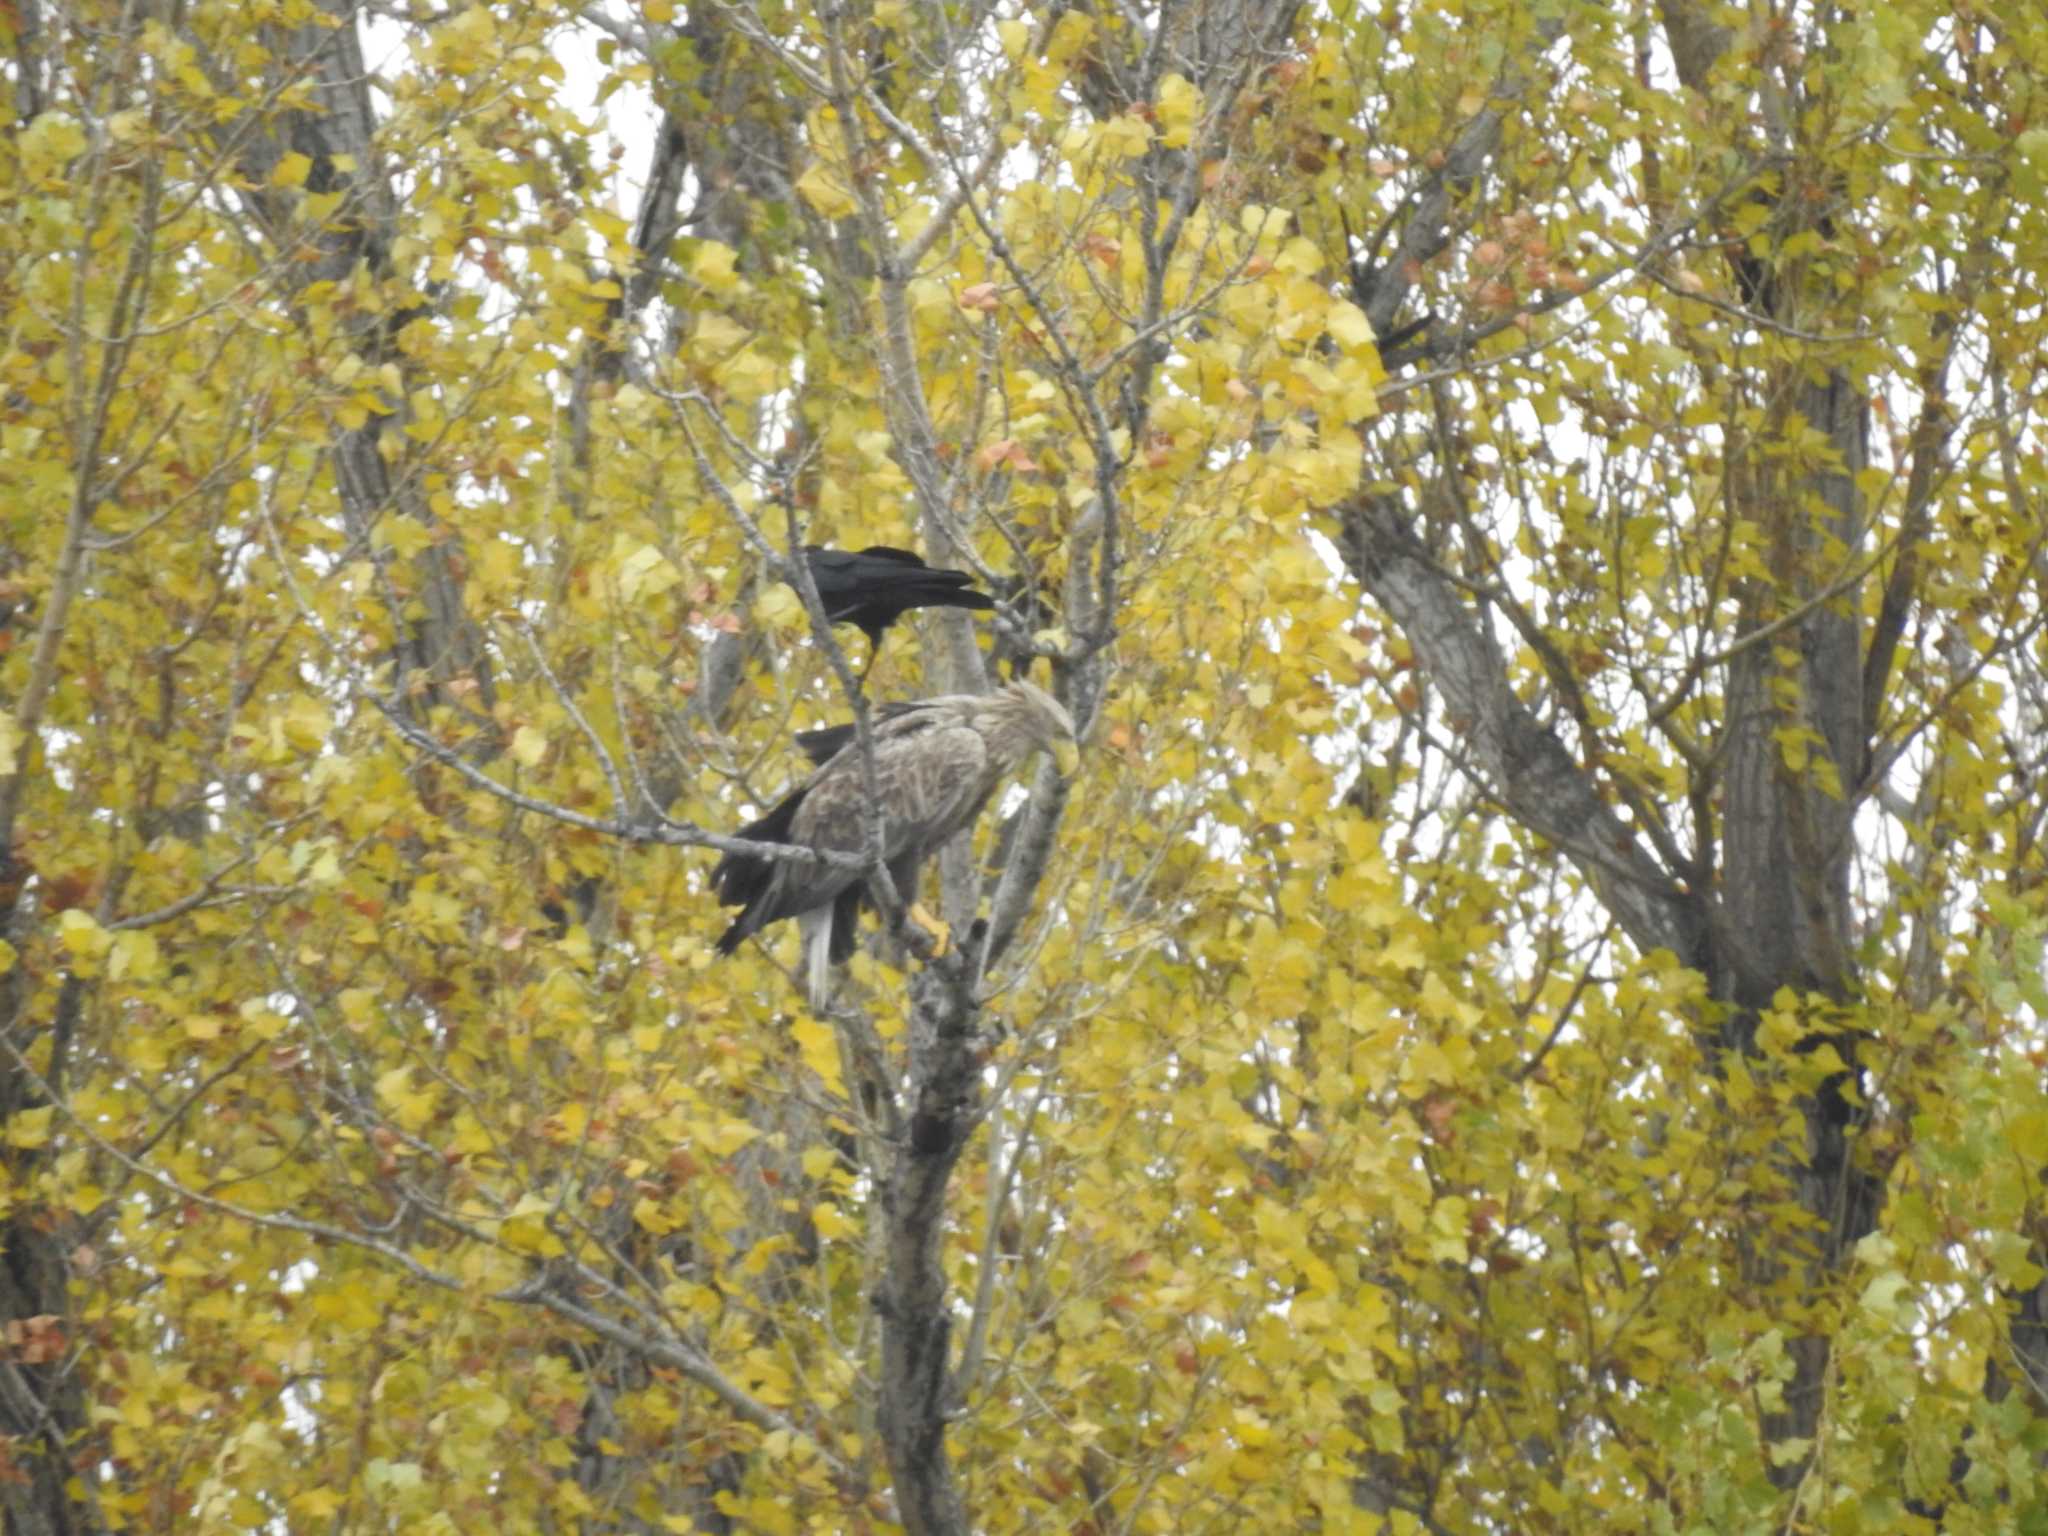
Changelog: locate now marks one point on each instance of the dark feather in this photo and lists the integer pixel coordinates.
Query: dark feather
(874, 587)
(744, 882)
(845, 922)
(827, 741)
(824, 744)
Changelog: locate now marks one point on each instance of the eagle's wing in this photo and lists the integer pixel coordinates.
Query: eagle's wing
(828, 741)
(929, 770)
(936, 786)
(766, 890)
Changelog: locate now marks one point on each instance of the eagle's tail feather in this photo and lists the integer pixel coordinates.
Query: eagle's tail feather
(816, 927)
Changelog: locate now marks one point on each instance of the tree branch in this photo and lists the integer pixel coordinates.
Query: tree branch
(1526, 765)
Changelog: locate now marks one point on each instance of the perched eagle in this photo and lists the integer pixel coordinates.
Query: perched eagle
(876, 586)
(937, 761)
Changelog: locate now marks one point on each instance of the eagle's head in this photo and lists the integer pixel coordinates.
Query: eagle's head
(1039, 720)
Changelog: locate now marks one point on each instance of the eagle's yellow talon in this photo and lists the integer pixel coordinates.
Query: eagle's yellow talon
(938, 928)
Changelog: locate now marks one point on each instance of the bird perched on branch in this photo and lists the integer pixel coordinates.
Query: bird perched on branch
(936, 762)
(876, 586)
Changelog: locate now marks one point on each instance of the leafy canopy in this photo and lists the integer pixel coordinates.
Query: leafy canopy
(392, 484)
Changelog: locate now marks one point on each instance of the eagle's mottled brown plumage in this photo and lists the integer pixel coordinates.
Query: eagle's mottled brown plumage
(937, 761)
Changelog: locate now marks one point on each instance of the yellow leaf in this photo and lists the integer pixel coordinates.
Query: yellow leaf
(529, 746)
(82, 936)
(1301, 255)
(716, 335)
(1348, 326)
(307, 722)
(525, 1230)
(1070, 36)
(820, 1050)
(317, 1503)
(1403, 952)
(819, 1161)
(778, 608)
(646, 573)
(134, 955)
(358, 1007)
(395, 1085)
(403, 535)
(765, 1515)
(1126, 136)
(1427, 1064)
(263, 1021)
(1263, 223)
(567, 1124)
(51, 142)
(748, 374)
(825, 192)
(470, 31)
(2028, 1134)
(713, 266)
(726, 1137)
(384, 1476)
(30, 1128)
(650, 1217)
(1178, 109)
(10, 744)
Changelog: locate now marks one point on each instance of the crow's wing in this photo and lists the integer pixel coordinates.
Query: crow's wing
(846, 576)
(873, 587)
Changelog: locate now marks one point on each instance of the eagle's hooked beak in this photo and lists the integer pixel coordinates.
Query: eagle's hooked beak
(1067, 755)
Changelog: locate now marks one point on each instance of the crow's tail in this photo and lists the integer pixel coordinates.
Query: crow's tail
(938, 589)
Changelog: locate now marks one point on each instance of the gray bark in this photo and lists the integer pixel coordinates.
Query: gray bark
(941, 1098)
(1524, 762)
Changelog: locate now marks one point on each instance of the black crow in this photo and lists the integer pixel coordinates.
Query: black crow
(875, 586)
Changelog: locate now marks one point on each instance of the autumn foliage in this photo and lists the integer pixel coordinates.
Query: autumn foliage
(1527, 1017)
